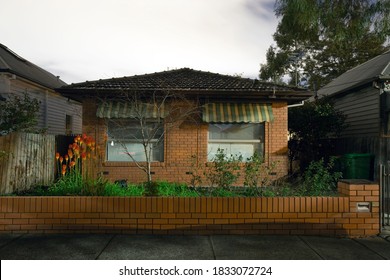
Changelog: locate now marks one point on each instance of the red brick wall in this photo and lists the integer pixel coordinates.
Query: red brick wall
(331, 216)
(183, 141)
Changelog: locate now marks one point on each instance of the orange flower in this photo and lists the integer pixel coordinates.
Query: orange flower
(76, 150)
(63, 172)
(83, 155)
(57, 156)
(72, 163)
(61, 159)
(64, 167)
(66, 158)
(70, 153)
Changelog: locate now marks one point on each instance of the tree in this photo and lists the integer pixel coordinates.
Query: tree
(319, 40)
(18, 114)
(148, 119)
(309, 125)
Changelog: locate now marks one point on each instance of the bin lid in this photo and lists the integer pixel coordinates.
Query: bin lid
(356, 155)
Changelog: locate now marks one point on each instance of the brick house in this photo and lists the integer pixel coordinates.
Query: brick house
(235, 114)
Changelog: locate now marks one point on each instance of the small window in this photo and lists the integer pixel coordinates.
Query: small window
(125, 141)
(236, 139)
(68, 124)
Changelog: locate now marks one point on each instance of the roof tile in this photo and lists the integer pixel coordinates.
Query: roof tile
(180, 79)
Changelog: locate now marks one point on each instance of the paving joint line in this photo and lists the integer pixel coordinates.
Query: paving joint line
(212, 247)
(12, 241)
(365, 246)
(105, 247)
(310, 247)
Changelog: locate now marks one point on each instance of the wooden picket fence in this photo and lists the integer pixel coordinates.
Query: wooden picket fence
(26, 160)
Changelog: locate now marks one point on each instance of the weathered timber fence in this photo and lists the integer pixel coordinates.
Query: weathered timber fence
(355, 212)
(26, 160)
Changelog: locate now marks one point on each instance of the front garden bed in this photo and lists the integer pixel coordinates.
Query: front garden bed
(331, 216)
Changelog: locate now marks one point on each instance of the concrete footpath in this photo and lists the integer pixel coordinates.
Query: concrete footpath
(220, 247)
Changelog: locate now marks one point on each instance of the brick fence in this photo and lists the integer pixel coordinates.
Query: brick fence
(354, 213)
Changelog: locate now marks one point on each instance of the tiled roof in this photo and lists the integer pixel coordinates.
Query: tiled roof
(364, 73)
(12, 63)
(181, 79)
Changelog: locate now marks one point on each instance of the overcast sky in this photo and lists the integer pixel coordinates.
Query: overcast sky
(83, 40)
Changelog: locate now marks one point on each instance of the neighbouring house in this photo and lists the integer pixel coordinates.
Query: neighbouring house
(57, 115)
(363, 95)
(236, 114)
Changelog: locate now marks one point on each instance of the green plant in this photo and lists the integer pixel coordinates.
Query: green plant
(257, 173)
(112, 189)
(94, 187)
(308, 126)
(151, 188)
(3, 154)
(175, 189)
(223, 170)
(18, 114)
(320, 179)
(69, 184)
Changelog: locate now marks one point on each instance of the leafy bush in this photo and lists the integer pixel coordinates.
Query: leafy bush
(257, 173)
(320, 179)
(223, 170)
(18, 114)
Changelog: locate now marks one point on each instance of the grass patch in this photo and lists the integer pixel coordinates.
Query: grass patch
(318, 180)
(165, 189)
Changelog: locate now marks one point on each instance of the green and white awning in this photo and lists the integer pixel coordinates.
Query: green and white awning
(113, 109)
(237, 113)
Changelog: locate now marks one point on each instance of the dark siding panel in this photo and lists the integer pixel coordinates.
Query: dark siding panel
(362, 110)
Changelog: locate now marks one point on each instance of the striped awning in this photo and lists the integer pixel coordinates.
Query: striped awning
(113, 109)
(237, 113)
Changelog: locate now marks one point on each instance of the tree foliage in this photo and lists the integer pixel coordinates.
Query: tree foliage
(18, 114)
(321, 39)
(309, 125)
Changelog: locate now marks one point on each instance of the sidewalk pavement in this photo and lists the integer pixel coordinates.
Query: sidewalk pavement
(165, 247)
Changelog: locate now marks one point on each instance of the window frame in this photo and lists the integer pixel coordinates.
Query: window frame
(160, 140)
(259, 142)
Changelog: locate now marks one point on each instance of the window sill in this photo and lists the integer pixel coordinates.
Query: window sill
(130, 164)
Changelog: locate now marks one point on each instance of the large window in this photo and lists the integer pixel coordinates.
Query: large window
(236, 139)
(126, 140)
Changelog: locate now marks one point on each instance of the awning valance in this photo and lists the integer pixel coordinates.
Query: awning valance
(113, 109)
(237, 113)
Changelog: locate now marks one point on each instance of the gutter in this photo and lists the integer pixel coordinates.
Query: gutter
(296, 105)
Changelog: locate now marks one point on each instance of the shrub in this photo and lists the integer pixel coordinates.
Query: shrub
(320, 179)
(18, 114)
(223, 170)
(257, 173)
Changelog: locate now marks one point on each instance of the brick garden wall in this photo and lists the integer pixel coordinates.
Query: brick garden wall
(181, 142)
(331, 216)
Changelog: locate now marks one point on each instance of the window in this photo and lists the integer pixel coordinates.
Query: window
(68, 124)
(125, 140)
(236, 139)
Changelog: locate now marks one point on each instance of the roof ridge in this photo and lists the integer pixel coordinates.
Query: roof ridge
(30, 66)
(13, 53)
(368, 61)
